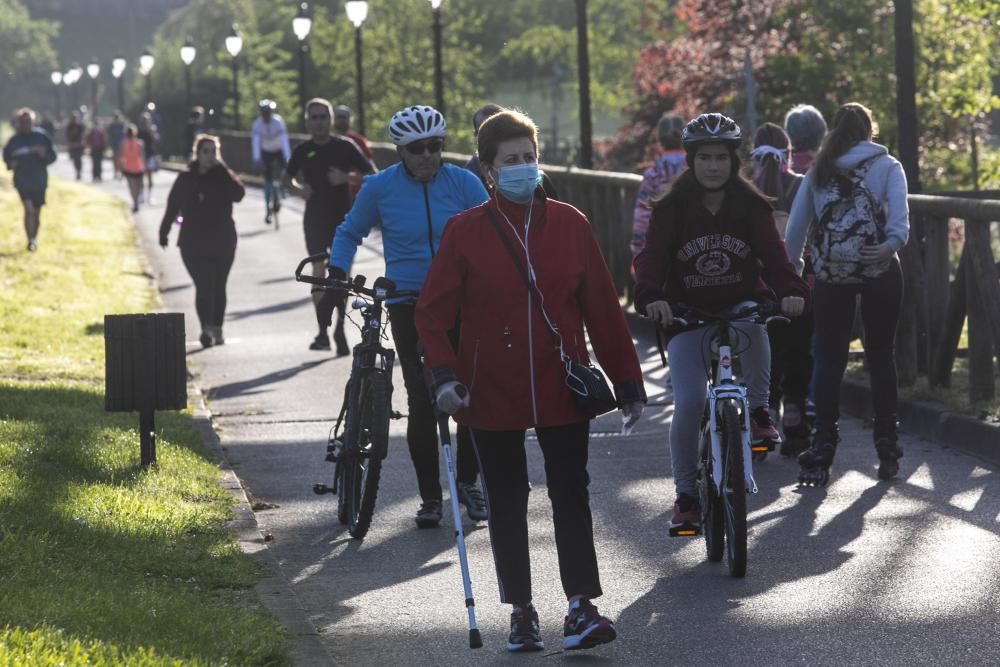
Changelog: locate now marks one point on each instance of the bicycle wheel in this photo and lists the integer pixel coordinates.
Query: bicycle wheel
(734, 493)
(368, 438)
(339, 477)
(712, 516)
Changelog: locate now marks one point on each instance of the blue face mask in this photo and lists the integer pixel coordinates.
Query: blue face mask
(518, 181)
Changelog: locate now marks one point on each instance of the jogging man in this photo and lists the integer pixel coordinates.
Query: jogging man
(270, 149)
(321, 171)
(28, 154)
(411, 201)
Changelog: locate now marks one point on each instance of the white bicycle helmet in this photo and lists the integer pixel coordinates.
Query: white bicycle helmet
(415, 123)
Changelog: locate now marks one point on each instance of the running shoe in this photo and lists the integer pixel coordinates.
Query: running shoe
(524, 632)
(584, 627)
(475, 505)
(686, 517)
(762, 429)
(320, 342)
(429, 514)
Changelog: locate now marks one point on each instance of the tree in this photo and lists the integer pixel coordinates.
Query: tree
(29, 58)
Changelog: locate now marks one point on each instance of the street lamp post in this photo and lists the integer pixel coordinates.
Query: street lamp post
(146, 62)
(188, 53)
(234, 44)
(438, 76)
(301, 25)
(118, 71)
(72, 76)
(93, 71)
(357, 12)
(583, 65)
(57, 78)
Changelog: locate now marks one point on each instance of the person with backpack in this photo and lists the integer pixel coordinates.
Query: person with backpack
(852, 210)
(708, 237)
(791, 343)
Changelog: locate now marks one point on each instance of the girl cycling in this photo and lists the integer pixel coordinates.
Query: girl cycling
(707, 238)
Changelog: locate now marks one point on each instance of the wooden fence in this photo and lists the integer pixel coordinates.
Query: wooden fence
(937, 298)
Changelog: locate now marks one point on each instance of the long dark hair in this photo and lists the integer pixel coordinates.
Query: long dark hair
(852, 123)
(769, 177)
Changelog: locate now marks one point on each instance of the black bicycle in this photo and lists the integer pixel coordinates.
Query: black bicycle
(725, 454)
(359, 441)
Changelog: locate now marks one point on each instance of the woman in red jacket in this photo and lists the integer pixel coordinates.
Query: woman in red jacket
(203, 197)
(707, 240)
(508, 359)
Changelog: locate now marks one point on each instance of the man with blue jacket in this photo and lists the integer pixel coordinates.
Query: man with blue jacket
(28, 154)
(411, 201)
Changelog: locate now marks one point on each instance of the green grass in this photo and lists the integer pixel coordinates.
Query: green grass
(103, 563)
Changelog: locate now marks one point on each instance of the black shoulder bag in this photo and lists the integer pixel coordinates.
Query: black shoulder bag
(588, 386)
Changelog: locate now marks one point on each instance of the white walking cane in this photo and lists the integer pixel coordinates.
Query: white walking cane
(475, 638)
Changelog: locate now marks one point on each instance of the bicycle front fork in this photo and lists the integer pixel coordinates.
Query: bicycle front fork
(737, 394)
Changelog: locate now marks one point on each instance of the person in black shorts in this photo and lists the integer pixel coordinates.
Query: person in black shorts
(321, 171)
(28, 154)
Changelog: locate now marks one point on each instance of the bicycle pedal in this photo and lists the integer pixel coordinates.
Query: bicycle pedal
(395, 414)
(320, 489)
(685, 530)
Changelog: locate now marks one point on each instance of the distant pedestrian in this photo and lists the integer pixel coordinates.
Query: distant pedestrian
(478, 118)
(28, 154)
(342, 126)
(853, 206)
(97, 143)
(116, 132)
(132, 163)
(193, 129)
(204, 196)
(658, 177)
(149, 134)
(75, 142)
(806, 128)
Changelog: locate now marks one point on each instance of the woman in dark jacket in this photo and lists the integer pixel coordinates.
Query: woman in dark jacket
(202, 200)
(511, 366)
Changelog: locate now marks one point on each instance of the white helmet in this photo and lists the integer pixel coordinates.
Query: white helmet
(414, 123)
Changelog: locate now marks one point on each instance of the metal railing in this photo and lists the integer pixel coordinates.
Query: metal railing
(936, 303)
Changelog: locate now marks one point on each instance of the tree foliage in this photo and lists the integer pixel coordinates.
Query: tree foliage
(26, 45)
(823, 54)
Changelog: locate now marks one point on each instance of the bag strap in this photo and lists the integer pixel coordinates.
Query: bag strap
(527, 279)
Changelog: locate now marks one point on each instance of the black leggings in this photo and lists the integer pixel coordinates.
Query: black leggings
(421, 423)
(209, 270)
(504, 467)
(833, 308)
(791, 360)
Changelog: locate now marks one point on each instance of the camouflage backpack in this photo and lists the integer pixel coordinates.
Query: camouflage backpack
(850, 218)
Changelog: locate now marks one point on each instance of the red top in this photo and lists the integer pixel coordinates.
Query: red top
(506, 355)
(713, 261)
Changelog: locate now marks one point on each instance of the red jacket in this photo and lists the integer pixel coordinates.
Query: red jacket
(507, 356)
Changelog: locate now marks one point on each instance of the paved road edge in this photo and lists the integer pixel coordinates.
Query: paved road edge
(272, 588)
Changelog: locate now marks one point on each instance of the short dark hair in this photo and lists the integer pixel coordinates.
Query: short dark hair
(507, 124)
(486, 110)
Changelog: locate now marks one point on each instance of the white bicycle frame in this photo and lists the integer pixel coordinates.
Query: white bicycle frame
(726, 389)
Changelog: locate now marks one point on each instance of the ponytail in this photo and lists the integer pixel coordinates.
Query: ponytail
(852, 123)
(771, 147)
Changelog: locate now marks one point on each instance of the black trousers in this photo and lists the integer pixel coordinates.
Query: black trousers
(209, 269)
(504, 468)
(791, 359)
(834, 307)
(421, 423)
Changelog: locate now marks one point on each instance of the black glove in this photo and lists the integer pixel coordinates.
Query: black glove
(335, 273)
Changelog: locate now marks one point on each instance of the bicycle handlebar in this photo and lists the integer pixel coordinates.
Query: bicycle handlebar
(382, 289)
(763, 313)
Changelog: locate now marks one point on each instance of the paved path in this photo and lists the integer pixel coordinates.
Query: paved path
(861, 572)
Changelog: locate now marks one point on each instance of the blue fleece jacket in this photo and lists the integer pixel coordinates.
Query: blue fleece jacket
(886, 180)
(412, 216)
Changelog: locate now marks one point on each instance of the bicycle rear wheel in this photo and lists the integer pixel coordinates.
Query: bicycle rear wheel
(734, 492)
(367, 444)
(712, 515)
(340, 480)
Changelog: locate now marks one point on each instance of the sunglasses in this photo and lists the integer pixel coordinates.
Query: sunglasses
(428, 145)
